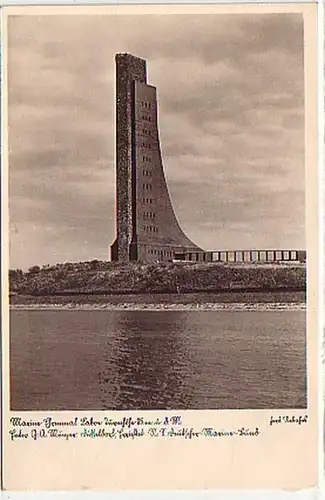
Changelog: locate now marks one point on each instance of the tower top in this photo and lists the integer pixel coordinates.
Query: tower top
(129, 68)
(128, 57)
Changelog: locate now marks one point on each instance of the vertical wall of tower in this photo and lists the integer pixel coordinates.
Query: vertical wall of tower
(158, 233)
(128, 69)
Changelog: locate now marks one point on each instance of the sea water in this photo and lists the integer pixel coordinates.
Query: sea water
(155, 360)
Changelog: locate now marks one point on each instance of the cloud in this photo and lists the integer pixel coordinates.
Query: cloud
(231, 117)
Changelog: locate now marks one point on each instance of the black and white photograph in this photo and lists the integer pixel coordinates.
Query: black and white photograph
(157, 212)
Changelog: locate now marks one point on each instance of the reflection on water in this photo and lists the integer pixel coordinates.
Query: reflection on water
(148, 367)
(157, 360)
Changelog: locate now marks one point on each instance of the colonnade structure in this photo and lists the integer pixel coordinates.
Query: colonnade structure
(244, 256)
(146, 225)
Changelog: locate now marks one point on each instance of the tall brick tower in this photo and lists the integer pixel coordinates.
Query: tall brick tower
(147, 228)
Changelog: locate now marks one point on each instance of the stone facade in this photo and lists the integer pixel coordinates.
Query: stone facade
(147, 228)
(128, 69)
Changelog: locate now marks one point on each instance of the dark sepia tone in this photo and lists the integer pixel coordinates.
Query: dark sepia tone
(200, 303)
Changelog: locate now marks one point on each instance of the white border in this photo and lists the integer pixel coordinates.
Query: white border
(220, 494)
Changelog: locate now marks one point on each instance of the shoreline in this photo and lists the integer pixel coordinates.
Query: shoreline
(232, 306)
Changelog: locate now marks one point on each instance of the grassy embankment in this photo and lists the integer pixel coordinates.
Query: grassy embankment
(101, 282)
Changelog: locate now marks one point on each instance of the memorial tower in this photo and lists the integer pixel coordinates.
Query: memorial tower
(146, 225)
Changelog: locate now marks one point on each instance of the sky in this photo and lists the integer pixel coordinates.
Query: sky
(231, 120)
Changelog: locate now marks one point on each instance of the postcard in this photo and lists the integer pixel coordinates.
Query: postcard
(161, 284)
